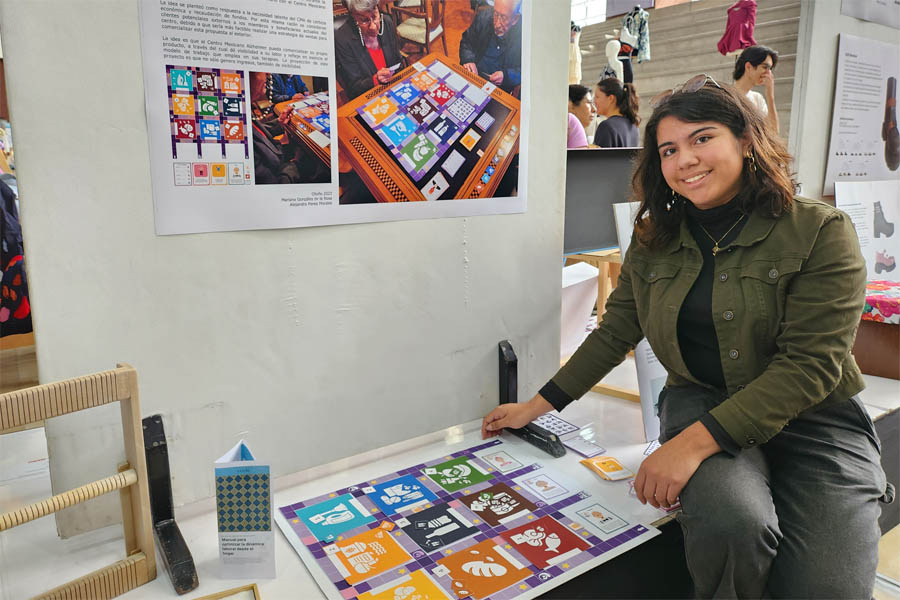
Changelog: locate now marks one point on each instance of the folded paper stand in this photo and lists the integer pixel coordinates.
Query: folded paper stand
(23, 409)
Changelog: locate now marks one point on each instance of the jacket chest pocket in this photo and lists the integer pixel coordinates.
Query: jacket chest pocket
(765, 285)
(654, 284)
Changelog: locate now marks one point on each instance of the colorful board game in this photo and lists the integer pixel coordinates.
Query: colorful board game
(479, 523)
(206, 106)
(311, 123)
(436, 132)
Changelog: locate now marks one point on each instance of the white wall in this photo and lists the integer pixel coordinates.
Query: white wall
(313, 344)
(820, 23)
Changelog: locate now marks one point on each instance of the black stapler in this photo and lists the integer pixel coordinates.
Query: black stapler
(532, 433)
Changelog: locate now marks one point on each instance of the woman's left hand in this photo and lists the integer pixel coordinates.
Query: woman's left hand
(664, 473)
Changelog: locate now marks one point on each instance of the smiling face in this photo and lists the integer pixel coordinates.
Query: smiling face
(700, 161)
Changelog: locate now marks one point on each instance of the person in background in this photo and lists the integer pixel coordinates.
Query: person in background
(754, 67)
(619, 104)
(750, 298)
(581, 113)
(492, 45)
(367, 53)
(286, 87)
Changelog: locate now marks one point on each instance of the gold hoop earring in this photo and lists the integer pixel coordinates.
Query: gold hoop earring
(752, 161)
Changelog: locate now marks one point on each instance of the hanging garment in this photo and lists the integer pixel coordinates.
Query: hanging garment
(15, 310)
(739, 27)
(575, 59)
(635, 34)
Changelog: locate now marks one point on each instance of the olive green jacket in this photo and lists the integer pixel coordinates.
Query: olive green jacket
(787, 297)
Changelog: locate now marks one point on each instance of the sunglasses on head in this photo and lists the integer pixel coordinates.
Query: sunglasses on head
(688, 87)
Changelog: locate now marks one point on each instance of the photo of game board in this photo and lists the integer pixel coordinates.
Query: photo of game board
(206, 107)
(458, 526)
(436, 133)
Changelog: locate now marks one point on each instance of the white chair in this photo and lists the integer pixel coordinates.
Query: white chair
(421, 22)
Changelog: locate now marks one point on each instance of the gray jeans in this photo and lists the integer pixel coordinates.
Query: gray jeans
(796, 517)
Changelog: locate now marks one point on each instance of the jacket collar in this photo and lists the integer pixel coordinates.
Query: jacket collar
(757, 229)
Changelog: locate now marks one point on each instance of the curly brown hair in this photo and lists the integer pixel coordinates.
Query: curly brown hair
(767, 185)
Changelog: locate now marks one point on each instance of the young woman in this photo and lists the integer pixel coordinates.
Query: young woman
(581, 112)
(619, 104)
(751, 298)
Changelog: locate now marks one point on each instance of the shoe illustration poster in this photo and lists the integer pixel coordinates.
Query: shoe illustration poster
(865, 139)
(874, 208)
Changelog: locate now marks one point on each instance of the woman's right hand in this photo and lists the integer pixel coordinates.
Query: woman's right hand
(384, 75)
(513, 415)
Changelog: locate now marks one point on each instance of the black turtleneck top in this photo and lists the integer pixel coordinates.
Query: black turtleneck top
(696, 330)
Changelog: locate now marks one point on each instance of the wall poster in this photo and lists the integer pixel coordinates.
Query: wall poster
(883, 12)
(865, 141)
(292, 113)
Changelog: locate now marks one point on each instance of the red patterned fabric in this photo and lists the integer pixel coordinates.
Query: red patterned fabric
(739, 28)
(882, 302)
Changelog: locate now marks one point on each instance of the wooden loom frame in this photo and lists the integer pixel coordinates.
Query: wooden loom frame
(29, 407)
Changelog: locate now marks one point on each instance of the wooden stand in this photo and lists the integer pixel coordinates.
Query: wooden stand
(23, 408)
(609, 263)
(877, 349)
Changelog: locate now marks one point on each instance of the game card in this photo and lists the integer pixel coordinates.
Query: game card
(366, 555)
(434, 188)
(438, 526)
(457, 474)
(584, 447)
(453, 163)
(415, 586)
(498, 504)
(400, 495)
(545, 542)
(484, 121)
(470, 139)
(330, 518)
(607, 467)
(547, 486)
(500, 460)
(601, 518)
(482, 570)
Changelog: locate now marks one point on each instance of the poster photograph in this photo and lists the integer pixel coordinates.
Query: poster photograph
(273, 113)
(865, 141)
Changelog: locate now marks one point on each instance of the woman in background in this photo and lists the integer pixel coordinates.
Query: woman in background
(367, 53)
(581, 113)
(619, 104)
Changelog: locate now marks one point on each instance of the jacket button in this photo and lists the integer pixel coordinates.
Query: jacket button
(733, 354)
(728, 315)
(773, 274)
(751, 441)
(723, 276)
(652, 274)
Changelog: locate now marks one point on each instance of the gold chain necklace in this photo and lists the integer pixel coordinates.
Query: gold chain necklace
(715, 249)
